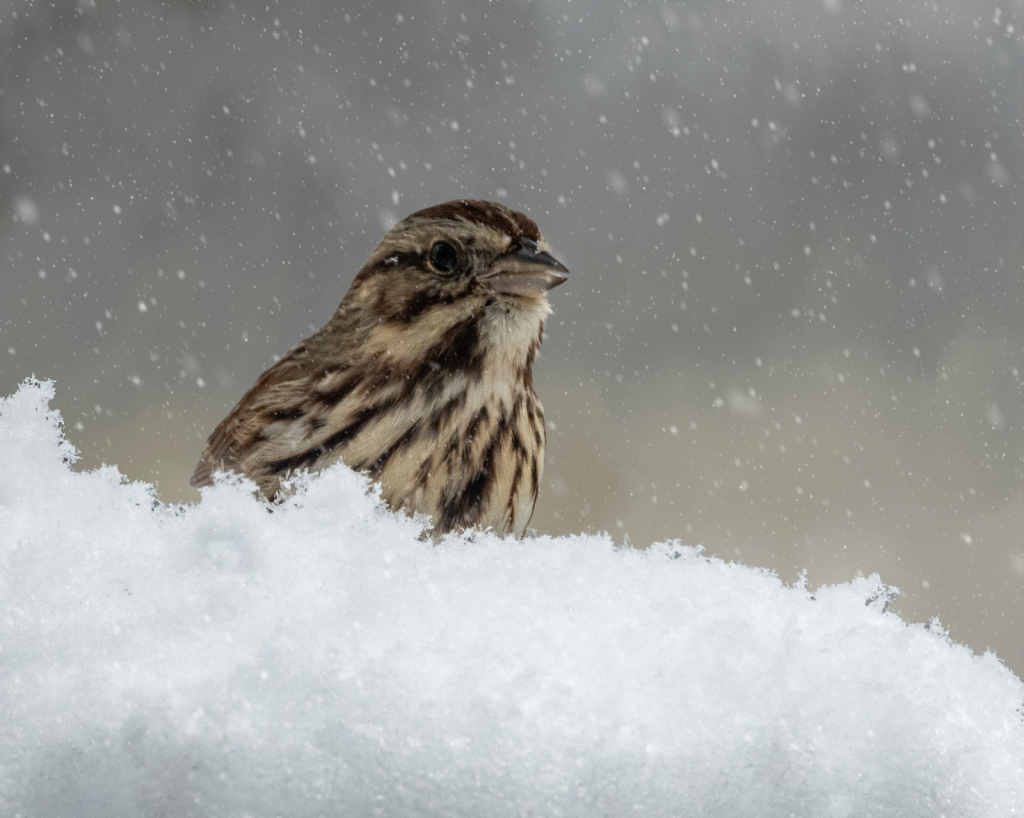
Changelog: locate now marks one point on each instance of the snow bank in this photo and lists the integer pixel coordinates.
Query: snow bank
(323, 660)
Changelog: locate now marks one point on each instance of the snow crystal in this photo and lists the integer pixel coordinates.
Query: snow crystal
(25, 209)
(617, 182)
(324, 659)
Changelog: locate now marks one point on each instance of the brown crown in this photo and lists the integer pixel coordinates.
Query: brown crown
(496, 216)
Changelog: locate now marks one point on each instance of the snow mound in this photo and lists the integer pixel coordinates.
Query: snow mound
(322, 659)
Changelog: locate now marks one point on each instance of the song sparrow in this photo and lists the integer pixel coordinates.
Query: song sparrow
(422, 378)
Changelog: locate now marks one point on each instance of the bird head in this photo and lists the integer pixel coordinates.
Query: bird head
(468, 254)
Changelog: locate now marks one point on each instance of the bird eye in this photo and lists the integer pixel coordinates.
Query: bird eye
(443, 257)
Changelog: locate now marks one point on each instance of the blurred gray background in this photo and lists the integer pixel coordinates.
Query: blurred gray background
(793, 330)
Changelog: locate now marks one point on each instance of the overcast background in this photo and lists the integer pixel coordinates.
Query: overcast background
(793, 329)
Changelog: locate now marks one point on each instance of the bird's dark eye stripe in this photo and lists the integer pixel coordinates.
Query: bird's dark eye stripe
(407, 260)
(403, 261)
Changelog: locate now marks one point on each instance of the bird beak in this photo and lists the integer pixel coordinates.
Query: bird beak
(526, 271)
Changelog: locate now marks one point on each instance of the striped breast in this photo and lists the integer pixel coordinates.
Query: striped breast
(477, 463)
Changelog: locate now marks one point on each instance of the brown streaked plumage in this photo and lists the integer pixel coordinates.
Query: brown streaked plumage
(422, 378)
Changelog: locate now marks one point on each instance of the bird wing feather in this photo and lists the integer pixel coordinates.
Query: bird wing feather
(281, 389)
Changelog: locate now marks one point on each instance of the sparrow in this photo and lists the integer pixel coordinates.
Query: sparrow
(422, 379)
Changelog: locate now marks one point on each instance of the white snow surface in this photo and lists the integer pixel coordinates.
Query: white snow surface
(323, 659)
